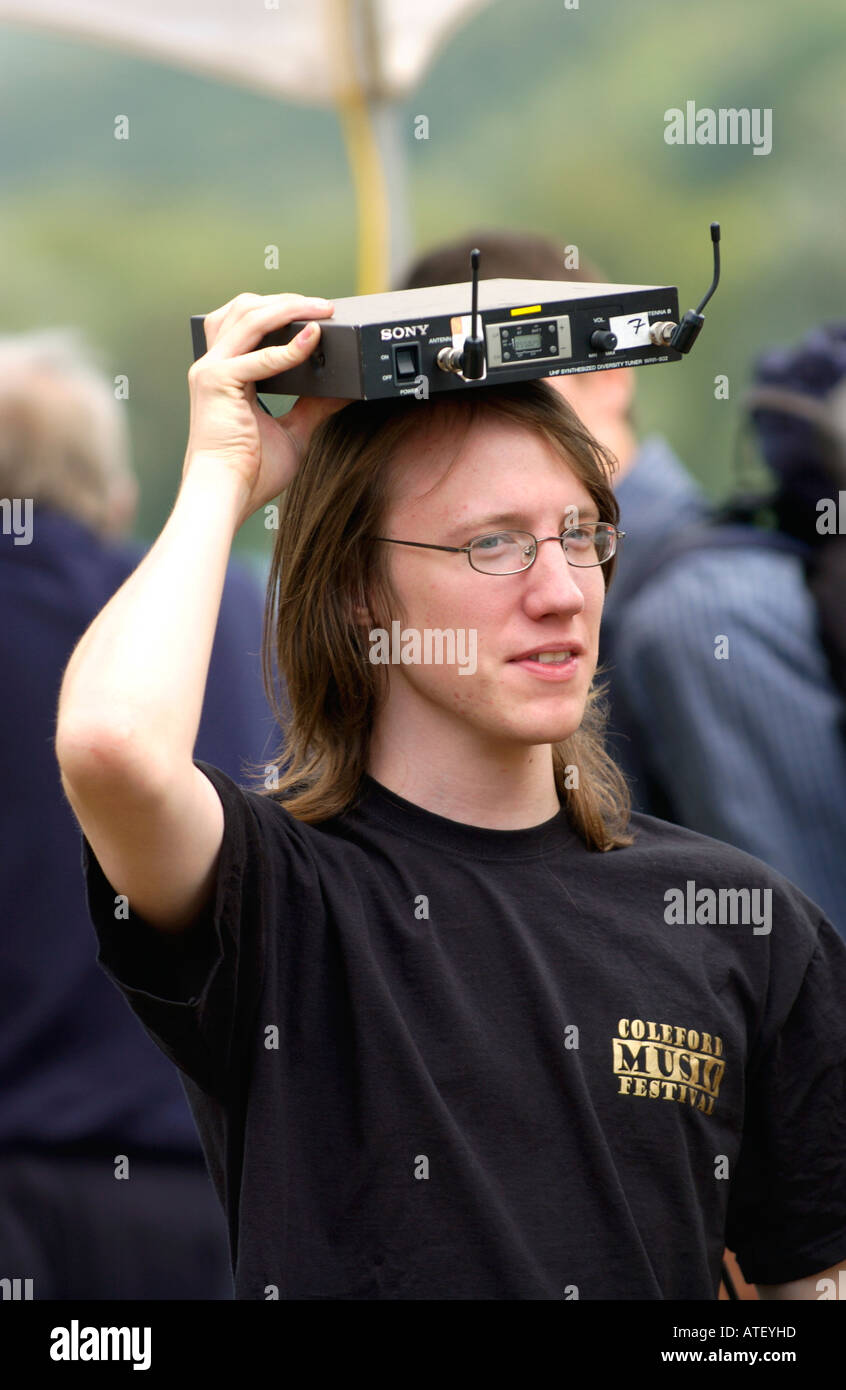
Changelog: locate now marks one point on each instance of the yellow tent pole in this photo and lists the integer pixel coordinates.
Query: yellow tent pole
(371, 193)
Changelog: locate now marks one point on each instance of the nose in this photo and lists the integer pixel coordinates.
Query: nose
(552, 582)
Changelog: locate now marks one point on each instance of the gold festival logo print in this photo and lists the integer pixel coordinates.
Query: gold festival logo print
(662, 1061)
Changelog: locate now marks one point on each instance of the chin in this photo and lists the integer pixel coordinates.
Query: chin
(541, 730)
(549, 725)
(556, 734)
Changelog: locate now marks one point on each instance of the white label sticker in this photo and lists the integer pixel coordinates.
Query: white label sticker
(632, 330)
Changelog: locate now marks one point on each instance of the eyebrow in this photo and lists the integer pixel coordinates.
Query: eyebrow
(517, 519)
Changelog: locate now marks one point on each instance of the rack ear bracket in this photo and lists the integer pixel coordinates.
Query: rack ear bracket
(381, 345)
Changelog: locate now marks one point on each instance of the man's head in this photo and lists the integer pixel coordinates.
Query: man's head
(439, 473)
(603, 400)
(64, 441)
(503, 475)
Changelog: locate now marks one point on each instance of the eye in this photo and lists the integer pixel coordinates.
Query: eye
(580, 536)
(493, 542)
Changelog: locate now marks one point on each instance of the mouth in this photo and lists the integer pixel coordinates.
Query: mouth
(551, 663)
(550, 652)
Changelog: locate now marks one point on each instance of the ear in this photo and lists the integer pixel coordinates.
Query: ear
(122, 505)
(360, 612)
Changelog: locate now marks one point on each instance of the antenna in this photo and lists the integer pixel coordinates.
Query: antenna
(473, 356)
(688, 330)
(469, 363)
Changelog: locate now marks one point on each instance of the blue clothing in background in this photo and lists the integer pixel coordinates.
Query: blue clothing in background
(77, 1072)
(746, 749)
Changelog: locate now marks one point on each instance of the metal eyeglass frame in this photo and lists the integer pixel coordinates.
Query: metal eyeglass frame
(536, 541)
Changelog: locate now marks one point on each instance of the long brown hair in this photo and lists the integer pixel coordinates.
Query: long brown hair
(326, 560)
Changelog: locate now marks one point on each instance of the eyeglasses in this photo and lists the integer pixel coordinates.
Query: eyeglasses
(509, 552)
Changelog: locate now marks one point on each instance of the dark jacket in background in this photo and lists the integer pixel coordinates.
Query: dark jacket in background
(79, 1078)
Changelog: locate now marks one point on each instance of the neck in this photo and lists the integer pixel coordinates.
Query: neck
(458, 773)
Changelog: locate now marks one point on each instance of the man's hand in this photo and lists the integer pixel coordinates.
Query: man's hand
(228, 428)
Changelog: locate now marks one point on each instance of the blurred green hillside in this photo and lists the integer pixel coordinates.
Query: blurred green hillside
(540, 117)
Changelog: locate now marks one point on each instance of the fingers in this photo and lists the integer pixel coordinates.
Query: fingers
(266, 362)
(212, 322)
(237, 321)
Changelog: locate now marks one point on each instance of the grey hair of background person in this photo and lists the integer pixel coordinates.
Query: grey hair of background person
(64, 437)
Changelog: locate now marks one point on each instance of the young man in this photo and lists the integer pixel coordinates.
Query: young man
(452, 1025)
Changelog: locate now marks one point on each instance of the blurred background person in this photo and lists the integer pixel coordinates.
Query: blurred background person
(81, 1084)
(751, 747)
(748, 749)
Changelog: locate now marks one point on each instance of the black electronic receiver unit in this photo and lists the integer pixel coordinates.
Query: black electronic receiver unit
(416, 342)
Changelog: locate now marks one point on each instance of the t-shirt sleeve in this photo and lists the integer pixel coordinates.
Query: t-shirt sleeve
(195, 991)
(787, 1205)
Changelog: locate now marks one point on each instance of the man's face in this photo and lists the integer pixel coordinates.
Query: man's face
(501, 470)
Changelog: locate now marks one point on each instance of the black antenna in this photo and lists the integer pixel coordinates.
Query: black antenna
(688, 330)
(715, 237)
(473, 356)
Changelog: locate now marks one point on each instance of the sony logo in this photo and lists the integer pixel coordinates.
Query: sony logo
(408, 331)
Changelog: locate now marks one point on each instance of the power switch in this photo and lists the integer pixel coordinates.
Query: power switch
(406, 361)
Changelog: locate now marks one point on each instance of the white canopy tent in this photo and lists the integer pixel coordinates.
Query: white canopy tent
(360, 56)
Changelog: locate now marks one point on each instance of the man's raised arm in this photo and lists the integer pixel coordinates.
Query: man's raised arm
(132, 693)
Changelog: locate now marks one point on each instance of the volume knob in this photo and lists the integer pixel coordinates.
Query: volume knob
(603, 340)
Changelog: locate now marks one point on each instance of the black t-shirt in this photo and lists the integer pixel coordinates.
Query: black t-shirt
(429, 1060)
